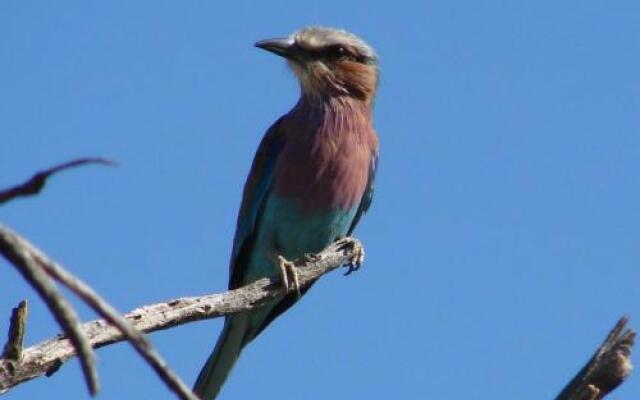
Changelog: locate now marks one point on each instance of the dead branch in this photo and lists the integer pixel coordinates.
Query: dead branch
(24, 261)
(606, 370)
(37, 181)
(140, 343)
(48, 356)
(15, 337)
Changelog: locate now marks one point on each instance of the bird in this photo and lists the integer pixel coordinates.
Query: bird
(310, 182)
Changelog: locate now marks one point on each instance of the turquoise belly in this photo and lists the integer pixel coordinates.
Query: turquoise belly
(287, 231)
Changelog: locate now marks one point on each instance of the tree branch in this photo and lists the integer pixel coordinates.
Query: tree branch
(48, 356)
(104, 309)
(15, 337)
(24, 261)
(606, 370)
(37, 181)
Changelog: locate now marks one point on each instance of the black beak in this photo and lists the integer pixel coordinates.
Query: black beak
(284, 47)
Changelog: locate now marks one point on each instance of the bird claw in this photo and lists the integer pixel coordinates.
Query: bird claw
(357, 260)
(289, 275)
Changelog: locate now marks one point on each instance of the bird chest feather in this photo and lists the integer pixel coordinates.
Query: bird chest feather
(325, 164)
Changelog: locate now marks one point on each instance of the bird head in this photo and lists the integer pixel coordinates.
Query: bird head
(328, 62)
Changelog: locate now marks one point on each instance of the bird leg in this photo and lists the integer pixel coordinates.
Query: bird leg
(358, 256)
(289, 275)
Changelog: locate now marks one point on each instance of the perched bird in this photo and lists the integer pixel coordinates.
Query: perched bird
(311, 179)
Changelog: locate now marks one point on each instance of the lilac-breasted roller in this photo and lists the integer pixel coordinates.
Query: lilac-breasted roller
(311, 179)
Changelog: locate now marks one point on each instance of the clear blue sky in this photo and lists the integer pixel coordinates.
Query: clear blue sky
(504, 237)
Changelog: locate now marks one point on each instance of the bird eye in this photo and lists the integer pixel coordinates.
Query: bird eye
(339, 52)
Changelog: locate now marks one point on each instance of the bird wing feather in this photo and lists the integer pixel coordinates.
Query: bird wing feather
(256, 190)
(367, 196)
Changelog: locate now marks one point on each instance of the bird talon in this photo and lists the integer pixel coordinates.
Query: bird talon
(289, 275)
(357, 260)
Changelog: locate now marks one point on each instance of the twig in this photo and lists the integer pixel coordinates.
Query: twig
(137, 339)
(61, 309)
(606, 370)
(15, 337)
(48, 355)
(37, 181)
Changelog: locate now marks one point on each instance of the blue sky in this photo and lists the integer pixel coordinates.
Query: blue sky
(503, 241)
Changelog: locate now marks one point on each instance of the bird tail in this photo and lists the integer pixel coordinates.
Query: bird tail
(222, 359)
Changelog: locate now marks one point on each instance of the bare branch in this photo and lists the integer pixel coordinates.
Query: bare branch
(37, 181)
(137, 339)
(51, 354)
(606, 370)
(15, 337)
(61, 309)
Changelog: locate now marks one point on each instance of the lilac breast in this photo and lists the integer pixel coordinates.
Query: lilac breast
(327, 157)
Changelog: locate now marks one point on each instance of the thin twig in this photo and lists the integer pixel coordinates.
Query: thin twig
(61, 309)
(37, 181)
(137, 339)
(49, 355)
(606, 370)
(15, 337)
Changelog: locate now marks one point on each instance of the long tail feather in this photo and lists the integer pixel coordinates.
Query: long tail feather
(222, 359)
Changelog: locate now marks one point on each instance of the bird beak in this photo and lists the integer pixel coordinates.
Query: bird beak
(284, 47)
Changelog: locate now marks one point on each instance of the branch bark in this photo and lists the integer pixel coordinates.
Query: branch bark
(15, 337)
(606, 370)
(21, 256)
(45, 358)
(33, 258)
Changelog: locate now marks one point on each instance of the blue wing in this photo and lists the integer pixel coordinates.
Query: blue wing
(256, 190)
(367, 197)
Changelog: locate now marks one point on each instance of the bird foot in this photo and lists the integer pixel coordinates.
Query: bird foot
(289, 275)
(357, 260)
